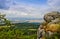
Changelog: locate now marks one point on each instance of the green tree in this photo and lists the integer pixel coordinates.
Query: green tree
(5, 20)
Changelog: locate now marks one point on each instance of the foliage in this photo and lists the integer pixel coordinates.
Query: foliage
(4, 20)
(18, 31)
(14, 32)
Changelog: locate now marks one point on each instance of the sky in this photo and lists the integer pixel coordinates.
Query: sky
(28, 8)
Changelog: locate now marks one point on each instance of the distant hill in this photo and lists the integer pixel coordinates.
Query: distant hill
(34, 21)
(26, 20)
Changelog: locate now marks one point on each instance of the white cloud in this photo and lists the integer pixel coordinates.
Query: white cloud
(55, 4)
(22, 11)
(32, 11)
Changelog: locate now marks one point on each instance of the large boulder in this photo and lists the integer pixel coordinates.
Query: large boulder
(50, 26)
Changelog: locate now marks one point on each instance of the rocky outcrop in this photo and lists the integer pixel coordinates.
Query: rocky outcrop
(51, 16)
(50, 27)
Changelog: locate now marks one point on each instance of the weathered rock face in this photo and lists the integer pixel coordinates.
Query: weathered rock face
(51, 16)
(51, 26)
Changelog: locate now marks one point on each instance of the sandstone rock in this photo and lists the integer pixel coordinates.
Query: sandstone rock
(50, 26)
(53, 27)
(51, 16)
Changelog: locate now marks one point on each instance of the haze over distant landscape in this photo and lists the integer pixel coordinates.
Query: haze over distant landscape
(28, 9)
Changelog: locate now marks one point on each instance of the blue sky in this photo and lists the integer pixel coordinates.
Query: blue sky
(28, 8)
(33, 1)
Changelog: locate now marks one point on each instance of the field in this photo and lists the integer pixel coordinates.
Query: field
(20, 31)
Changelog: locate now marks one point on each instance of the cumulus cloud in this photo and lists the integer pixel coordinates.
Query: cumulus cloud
(13, 8)
(22, 10)
(25, 11)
